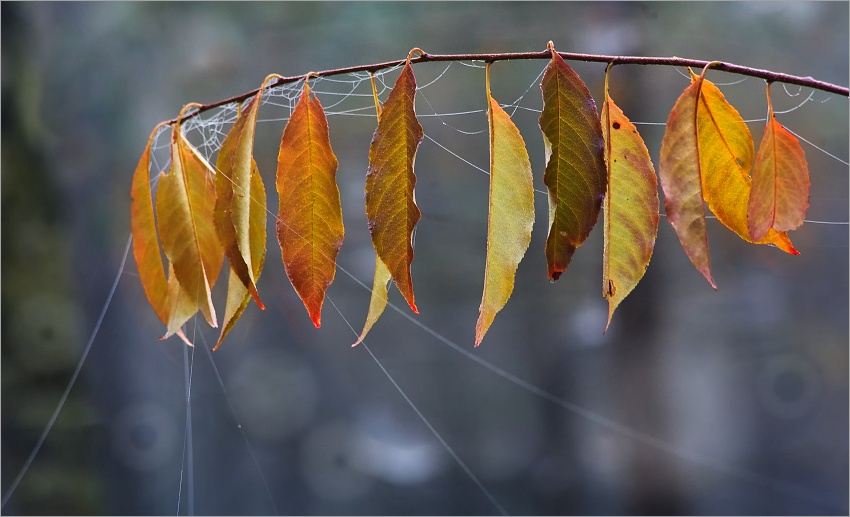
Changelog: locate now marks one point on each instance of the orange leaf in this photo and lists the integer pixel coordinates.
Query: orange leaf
(679, 173)
(725, 159)
(575, 167)
(237, 293)
(780, 192)
(511, 213)
(390, 207)
(309, 227)
(145, 242)
(184, 206)
(631, 206)
(234, 197)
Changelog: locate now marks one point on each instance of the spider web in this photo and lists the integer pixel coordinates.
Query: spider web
(459, 135)
(452, 167)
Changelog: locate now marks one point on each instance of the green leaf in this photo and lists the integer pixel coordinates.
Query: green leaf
(575, 167)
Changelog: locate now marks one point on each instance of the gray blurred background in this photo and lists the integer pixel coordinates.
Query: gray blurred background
(749, 384)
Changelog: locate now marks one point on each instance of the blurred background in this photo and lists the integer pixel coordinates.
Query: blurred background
(697, 402)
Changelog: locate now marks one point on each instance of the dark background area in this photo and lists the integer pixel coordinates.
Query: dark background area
(749, 384)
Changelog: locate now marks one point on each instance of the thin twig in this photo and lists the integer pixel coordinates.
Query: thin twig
(767, 75)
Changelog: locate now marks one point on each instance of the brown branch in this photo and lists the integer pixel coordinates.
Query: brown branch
(767, 75)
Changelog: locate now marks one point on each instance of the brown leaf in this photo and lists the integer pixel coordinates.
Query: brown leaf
(390, 207)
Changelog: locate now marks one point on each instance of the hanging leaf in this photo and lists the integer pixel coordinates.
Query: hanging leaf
(780, 192)
(234, 197)
(145, 242)
(630, 217)
(382, 277)
(309, 227)
(180, 308)
(378, 300)
(390, 206)
(184, 207)
(238, 294)
(679, 173)
(575, 167)
(511, 212)
(726, 157)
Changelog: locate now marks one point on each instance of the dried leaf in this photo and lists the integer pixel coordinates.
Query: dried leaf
(145, 242)
(234, 198)
(575, 167)
(184, 207)
(679, 173)
(309, 227)
(780, 191)
(238, 294)
(511, 213)
(631, 207)
(725, 158)
(378, 300)
(390, 206)
(181, 308)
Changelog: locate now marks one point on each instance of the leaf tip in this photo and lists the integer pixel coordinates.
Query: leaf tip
(256, 296)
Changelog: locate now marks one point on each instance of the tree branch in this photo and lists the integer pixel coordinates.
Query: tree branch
(767, 75)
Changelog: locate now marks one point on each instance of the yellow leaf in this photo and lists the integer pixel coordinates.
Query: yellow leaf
(237, 293)
(511, 212)
(309, 227)
(184, 206)
(575, 167)
(725, 158)
(631, 206)
(390, 206)
(780, 192)
(180, 307)
(378, 300)
(234, 197)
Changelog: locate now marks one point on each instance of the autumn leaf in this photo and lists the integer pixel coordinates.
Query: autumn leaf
(780, 191)
(679, 173)
(238, 294)
(184, 207)
(309, 227)
(630, 216)
(380, 282)
(234, 198)
(575, 167)
(145, 242)
(390, 206)
(511, 212)
(181, 308)
(378, 299)
(726, 157)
